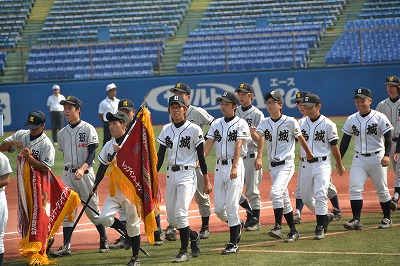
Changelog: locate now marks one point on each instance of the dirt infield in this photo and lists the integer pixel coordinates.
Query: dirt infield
(86, 236)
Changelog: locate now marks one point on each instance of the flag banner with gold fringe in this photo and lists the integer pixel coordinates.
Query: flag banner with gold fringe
(43, 202)
(134, 172)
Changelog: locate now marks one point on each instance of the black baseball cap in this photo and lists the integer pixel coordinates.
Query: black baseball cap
(176, 99)
(72, 100)
(300, 95)
(126, 104)
(362, 93)
(229, 97)
(245, 87)
(118, 116)
(35, 119)
(274, 95)
(311, 100)
(182, 87)
(394, 80)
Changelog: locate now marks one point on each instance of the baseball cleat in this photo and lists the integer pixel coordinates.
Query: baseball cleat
(328, 219)
(182, 256)
(159, 237)
(195, 246)
(292, 236)
(337, 214)
(204, 233)
(319, 233)
(254, 225)
(134, 262)
(297, 218)
(385, 223)
(61, 252)
(276, 232)
(353, 224)
(118, 244)
(230, 249)
(103, 245)
(170, 233)
(394, 202)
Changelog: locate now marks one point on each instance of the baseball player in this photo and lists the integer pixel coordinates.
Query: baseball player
(321, 136)
(372, 145)
(391, 108)
(185, 143)
(200, 117)
(119, 123)
(279, 131)
(252, 178)
(78, 142)
(109, 104)
(229, 135)
(56, 112)
(5, 170)
(332, 191)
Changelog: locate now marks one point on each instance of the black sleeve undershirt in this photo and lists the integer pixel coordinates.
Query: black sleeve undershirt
(202, 159)
(344, 144)
(388, 142)
(160, 155)
(92, 153)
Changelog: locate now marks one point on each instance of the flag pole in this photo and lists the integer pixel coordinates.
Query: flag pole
(97, 182)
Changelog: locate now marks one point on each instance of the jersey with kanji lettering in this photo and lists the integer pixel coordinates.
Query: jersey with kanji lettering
(41, 147)
(318, 135)
(181, 142)
(279, 137)
(368, 131)
(392, 112)
(198, 116)
(253, 117)
(74, 142)
(226, 134)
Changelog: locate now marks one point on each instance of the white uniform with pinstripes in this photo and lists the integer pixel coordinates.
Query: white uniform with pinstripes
(252, 177)
(5, 168)
(315, 177)
(227, 191)
(280, 144)
(368, 132)
(73, 142)
(113, 204)
(392, 112)
(200, 117)
(181, 185)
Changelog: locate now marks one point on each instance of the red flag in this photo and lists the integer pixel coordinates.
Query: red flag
(135, 172)
(43, 202)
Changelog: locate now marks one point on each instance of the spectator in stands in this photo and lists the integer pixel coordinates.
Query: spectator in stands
(109, 104)
(56, 112)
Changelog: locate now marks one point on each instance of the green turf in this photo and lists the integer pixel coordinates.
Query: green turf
(370, 246)
(58, 166)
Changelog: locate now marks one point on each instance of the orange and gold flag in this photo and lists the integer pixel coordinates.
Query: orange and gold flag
(134, 172)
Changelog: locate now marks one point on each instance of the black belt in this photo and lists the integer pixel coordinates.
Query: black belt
(274, 164)
(314, 160)
(394, 139)
(74, 170)
(369, 154)
(251, 155)
(176, 168)
(224, 161)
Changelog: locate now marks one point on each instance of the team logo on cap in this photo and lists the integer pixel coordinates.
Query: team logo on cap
(359, 90)
(178, 85)
(306, 99)
(32, 118)
(391, 78)
(225, 93)
(69, 98)
(125, 103)
(241, 85)
(176, 98)
(298, 95)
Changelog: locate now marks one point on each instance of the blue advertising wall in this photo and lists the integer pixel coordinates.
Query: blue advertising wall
(335, 86)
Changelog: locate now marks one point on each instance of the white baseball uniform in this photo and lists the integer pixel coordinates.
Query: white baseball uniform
(369, 151)
(105, 106)
(181, 184)
(5, 168)
(280, 144)
(41, 147)
(392, 112)
(227, 191)
(113, 204)
(73, 142)
(200, 117)
(315, 175)
(252, 177)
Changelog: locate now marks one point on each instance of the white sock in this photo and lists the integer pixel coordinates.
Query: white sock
(396, 195)
(298, 212)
